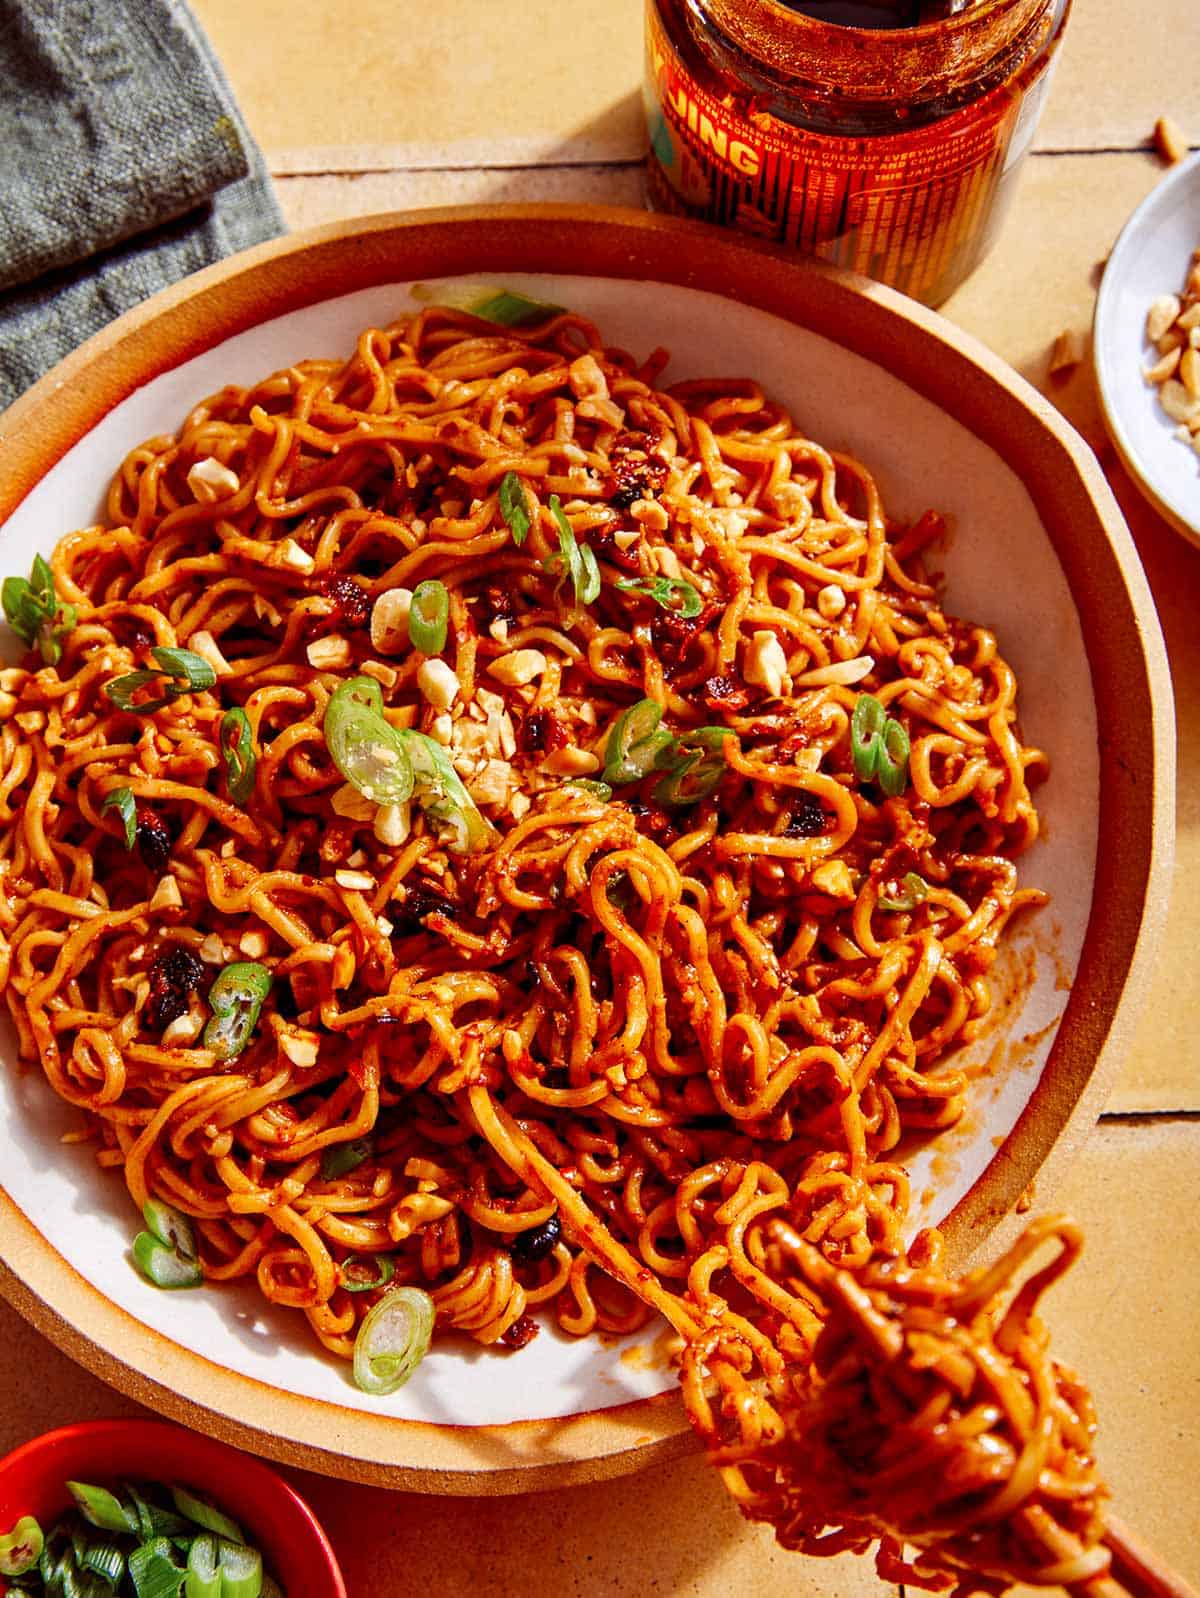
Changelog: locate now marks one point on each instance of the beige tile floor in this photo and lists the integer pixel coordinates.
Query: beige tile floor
(363, 109)
(477, 83)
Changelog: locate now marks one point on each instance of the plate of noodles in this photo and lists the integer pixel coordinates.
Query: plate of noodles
(539, 744)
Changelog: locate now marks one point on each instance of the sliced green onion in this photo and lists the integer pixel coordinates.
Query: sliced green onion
(188, 667)
(146, 1529)
(363, 1273)
(439, 791)
(241, 1570)
(489, 302)
(583, 572)
(163, 1266)
(123, 692)
(672, 593)
(591, 574)
(183, 672)
(170, 1226)
(429, 617)
(235, 998)
(393, 1340)
(368, 751)
(236, 743)
(511, 309)
(693, 778)
(153, 1519)
(203, 1577)
(514, 507)
(867, 722)
(103, 1559)
(914, 891)
(589, 785)
(21, 1548)
(153, 1570)
(205, 1514)
(879, 746)
(892, 767)
(636, 743)
(60, 1574)
(32, 609)
(390, 766)
(339, 1159)
(122, 801)
(102, 1508)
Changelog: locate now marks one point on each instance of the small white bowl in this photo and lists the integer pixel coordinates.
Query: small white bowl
(1151, 257)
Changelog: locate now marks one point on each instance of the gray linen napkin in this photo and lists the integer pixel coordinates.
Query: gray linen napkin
(124, 165)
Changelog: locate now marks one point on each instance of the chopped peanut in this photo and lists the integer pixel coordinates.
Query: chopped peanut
(438, 684)
(329, 654)
(389, 621)
(571, 762)
(209, 480)
(166, 895)
(766, 663)
(519, 667)
(393, 824)
(356, 881)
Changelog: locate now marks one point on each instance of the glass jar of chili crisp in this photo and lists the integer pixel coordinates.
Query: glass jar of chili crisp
(890, 148)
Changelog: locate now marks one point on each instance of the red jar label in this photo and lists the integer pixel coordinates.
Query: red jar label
(915, 210)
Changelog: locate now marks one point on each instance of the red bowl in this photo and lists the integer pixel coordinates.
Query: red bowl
(275, 1518)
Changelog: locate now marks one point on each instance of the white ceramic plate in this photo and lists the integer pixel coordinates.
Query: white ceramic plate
(225, 1351)
(1151, 257)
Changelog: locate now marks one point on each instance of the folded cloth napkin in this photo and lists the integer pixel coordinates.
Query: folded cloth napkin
(124, 165)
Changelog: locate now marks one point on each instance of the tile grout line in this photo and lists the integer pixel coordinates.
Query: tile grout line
(1143, 1117)
(622, 163)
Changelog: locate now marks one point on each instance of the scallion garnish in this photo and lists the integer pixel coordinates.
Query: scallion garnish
(241, 1570)
(589, 785)
(236, 743)
(489, 302)
(636, 743)
(914, 890)
(429, 617)
(672, 593)
(202, 1513)
(170, 1226)
(153, 1570)
(21, 1548)
(393, 1340)
(182, 673)
(122, 801)
(102, 1508)
(892, 769)
(33, 611)
(103, 1559)
(135, 1549)
(164, 1266)
(368, 751)
(514, 507)
(235, 999)
(391, 766)
(879, 746)
(698, 767)
(439, 791)
(339, 1159)
(203, 1574)
(363, 1273)
(578, 561)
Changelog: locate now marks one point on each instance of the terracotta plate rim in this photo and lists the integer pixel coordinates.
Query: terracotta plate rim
(1130, 680)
